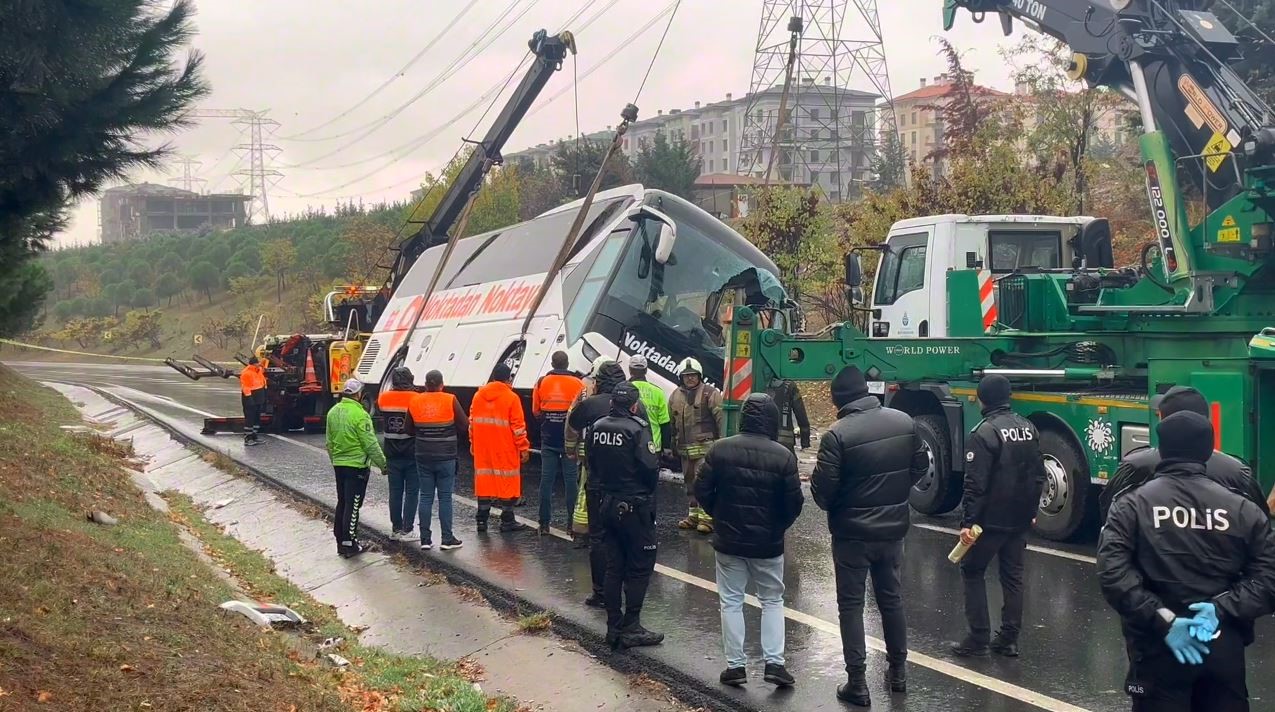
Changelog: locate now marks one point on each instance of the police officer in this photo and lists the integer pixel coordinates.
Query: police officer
(1188, 564)
(624, 463)
(792, 411)
(1139, 465)
(1004, 475)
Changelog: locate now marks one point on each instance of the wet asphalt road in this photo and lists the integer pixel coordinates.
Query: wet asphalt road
(1073, 657)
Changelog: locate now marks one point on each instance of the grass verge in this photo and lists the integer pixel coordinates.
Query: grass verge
(97, 617)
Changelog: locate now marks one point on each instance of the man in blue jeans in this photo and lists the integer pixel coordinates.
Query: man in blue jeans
(393, 403)
(551, 398)
(436, 418)
(748, 484)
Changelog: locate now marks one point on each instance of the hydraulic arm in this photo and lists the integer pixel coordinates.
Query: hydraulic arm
(549, 52)
(1173, 58)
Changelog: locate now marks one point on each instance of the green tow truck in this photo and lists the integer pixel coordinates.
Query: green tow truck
(1037, 298)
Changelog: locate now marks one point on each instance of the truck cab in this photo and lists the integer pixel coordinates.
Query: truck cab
(909, 297)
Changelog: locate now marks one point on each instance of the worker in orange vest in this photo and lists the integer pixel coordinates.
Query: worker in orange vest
(400, 451)
(252, 386)
(436, 420)
(550, 400)
(498, 441)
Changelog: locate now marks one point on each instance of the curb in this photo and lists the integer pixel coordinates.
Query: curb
(688, 689)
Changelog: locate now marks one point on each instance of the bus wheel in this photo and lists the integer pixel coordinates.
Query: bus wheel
(513, 356)
(1064, 502)
(939, 489)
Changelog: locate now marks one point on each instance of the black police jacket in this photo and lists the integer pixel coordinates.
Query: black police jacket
(1180, 539)
(589, 411)
(749, 485)
(868, 461)
(623, 461)
(1004, 473)
(1139, 465)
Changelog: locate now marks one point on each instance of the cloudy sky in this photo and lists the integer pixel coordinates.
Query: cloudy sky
(311, 63)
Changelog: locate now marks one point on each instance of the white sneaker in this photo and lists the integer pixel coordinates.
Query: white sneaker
(427, 545)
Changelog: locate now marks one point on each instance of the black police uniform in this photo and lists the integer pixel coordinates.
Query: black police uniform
(624, 464)
(1004, 476)
(1139, 465)
(1181, 539)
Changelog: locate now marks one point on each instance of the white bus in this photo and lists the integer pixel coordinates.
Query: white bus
(650, 273)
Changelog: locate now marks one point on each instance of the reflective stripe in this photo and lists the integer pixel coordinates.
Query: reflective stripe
(491, 421)
(519, 432)
(486, 472)
(397, 436)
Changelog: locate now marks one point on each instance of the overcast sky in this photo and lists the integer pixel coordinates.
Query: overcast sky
(309, 61)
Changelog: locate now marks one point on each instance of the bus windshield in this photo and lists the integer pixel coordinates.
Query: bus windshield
(680, 307)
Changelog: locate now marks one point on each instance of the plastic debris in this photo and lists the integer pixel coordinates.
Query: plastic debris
(265, 615)
(337, 660)
(98, 517)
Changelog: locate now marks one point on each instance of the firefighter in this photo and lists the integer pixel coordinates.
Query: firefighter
(606, 379)
(551, 398)
(698, 420)
(625, 466)
(353, 448)
(653, 399)
(400, 451)
(252, 386)
(1189, 565)
(791, 408)
(1004, 476)
(498, 441)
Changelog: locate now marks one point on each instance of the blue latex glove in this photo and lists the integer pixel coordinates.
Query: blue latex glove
(1206, 616)
(1181, 640)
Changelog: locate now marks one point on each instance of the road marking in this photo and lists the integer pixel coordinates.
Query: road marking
(1030, 547)
(938, 665)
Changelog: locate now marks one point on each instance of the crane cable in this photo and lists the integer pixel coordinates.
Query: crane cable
(783, 105)
(628, 116)
(402, 70)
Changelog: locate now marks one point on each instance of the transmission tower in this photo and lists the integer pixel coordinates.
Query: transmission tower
(258, 177)
(187, 178)
(838, 105)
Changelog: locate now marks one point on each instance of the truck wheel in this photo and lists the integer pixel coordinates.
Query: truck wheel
(1064, 502)
(939, 490)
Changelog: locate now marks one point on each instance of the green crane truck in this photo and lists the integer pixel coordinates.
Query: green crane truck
(1037, 298)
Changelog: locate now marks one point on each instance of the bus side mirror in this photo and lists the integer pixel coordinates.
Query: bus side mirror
(668, 230)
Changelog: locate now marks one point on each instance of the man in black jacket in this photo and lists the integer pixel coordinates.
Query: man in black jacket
(792, 413)
(749, 485)
(1004, 476)
(1138, 466)
(625, 467)
(593, 408)
(869, 459)
(1183, 545)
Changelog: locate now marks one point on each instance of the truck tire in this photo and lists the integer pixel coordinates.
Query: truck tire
(939, 490)
(1065, 504)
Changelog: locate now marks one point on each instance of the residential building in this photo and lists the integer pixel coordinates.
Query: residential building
(136, 211)
(716, 131)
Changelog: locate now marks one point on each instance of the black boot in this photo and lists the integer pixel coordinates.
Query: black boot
(778, 675)
(508, 525)
(1005, 645)
(896, 677)
(855, 690)
(733, 676)
(482, 524)
(635, 636)
(596, 600)
(970, 648)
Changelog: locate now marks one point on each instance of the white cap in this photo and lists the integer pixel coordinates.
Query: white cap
(638, 362)
(353, 387)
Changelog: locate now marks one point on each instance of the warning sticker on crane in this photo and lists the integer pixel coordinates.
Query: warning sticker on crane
(1200, 106)
(1230, 232)
(1216, 152)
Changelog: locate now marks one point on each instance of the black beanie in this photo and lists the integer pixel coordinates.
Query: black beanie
(623, 397)
(848, 386)
(1185, 436)
(994, 390)
(502, 373)
(1180, 398)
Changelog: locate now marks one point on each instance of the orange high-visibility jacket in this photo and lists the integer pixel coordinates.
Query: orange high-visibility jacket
(555, 392)
(251, 378)
(497, 436)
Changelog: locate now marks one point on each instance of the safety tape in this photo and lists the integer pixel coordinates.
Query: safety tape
(34, 347)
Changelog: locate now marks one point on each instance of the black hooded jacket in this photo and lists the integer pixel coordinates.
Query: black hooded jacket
(595, 407)
(1004, 472)
(1183, 538)
(623, 461)
(868, 461)
(749, 485)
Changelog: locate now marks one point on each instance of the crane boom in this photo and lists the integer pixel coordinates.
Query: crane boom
(549, 52)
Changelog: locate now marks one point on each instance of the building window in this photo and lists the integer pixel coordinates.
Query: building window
(814, 177)
(726, 164)
(694, 131)
(725, 126)
(914, 138)
(914, 122)
(814, 114)
(834, 115)
(814, 156)
(724, 149)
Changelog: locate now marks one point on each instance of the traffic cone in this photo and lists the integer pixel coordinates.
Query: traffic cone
(310, 384)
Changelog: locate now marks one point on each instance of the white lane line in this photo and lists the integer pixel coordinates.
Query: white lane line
(944, 667)
(1030, 547)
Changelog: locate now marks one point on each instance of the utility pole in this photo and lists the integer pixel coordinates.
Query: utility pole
(838, 110)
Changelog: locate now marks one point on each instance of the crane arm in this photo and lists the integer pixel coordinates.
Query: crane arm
(549, 53)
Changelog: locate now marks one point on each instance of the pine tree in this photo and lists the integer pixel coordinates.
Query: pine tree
(81, 82)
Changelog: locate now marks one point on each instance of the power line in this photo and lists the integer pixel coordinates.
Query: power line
(658, 47)
(401, 71)
(447, 73)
